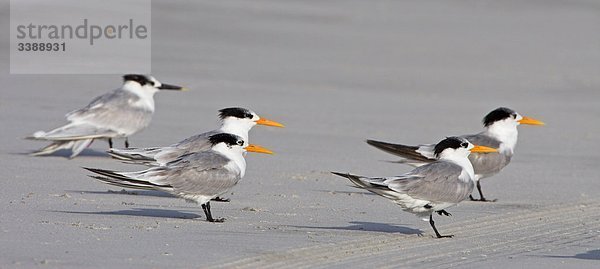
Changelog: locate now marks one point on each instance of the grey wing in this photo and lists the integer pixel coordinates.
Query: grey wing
(483, 140)
(201, 173)
(436, 182)
(74, 131)
(116, 110)
(487, 164)
(196, 143)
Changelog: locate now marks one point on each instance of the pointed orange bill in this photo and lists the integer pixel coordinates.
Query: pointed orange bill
(258, 149)
(483, 149)
(530, 121)
(263, 121)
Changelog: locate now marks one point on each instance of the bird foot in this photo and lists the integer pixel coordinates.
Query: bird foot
(443, 212)
(444, 236)
(217, 220)
(221, 199)
(482, 199)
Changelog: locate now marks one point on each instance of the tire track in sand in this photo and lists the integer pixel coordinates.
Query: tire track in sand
(477, 239)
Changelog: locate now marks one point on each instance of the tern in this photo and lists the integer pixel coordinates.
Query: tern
(235, 120)
(116, 114)
(196, 177)
(500, 131)
(432, 187)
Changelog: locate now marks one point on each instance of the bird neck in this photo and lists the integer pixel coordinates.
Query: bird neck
(238, 163)
(462, 161)
(506, 133)
(236, 127)
(146, 94)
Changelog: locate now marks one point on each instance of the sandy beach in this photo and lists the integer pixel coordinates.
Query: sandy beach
(335, 73)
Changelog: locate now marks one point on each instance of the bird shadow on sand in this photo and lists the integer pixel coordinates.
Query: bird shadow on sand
(358, 191)
(369, 227)
(127, 192)
(142, 212)
(361, 192)
(590, 255)
(67, 154)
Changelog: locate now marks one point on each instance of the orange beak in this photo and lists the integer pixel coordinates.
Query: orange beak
(258, 149)
(530, 121)
(263, 121)
(483, 149)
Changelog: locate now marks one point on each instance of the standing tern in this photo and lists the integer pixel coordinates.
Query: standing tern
(197, 177)
(235, 120)
(500, 131)
(432, 187)
(119, 113)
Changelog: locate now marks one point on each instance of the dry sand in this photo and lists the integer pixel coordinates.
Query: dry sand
(336, 73)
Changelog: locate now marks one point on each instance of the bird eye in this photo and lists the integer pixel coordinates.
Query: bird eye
(514, 116)
(464, 144)
(240, 142)
(248, 115)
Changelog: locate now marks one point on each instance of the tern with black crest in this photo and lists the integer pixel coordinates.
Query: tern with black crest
(197, 177)
(430, 188)
(235, 120)
(500, 131)
(117, 114)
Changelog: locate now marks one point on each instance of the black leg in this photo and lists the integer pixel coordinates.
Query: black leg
(110, 143)
(481, 199)
(443, 212)
(432, 223)
(221, 199)
(126, 142)
(207, 213)
(209, 218)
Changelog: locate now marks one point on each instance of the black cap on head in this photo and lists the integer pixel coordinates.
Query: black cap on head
(237, 112)
(498, 114)
(141, 79)
(450, 142)
(229, 139)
